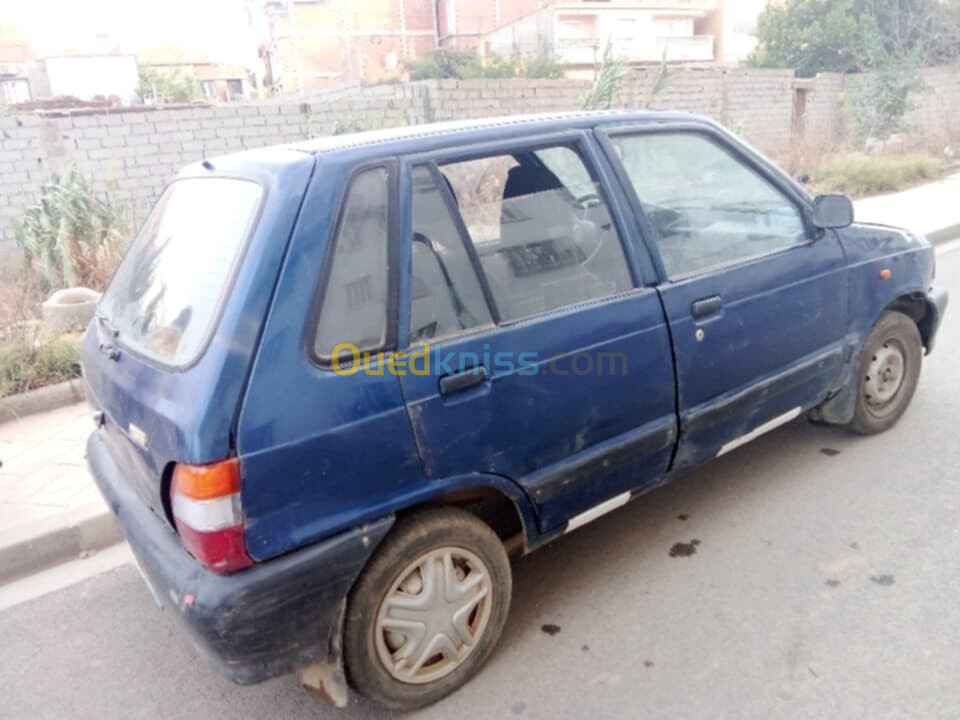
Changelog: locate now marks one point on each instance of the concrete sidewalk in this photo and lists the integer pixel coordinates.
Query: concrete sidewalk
(44, 472)
(932, 209)
(50, 510)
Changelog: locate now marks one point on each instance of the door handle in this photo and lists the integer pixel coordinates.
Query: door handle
(705, 307)
(462, 380)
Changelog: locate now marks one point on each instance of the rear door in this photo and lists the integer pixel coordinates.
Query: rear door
(549, 358)
(756, 300)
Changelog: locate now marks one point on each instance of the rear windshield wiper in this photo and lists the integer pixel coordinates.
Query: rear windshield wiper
(107, 325)
(108, 348)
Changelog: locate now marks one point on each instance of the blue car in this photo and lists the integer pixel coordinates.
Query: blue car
(339, 382)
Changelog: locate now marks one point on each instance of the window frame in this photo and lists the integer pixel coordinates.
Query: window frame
(390, 165)
(450, 204)
(592, 158)
(747, 158)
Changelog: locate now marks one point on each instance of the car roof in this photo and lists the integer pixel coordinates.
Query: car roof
(360, 147)
(442, 134)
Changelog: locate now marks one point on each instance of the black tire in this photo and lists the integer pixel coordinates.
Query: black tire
(894, 334)
(413, 537)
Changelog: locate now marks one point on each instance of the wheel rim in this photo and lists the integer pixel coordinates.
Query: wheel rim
(434, 615)
(884, 377)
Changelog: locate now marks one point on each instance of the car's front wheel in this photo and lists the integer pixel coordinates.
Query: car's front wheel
(427, 611)
(889, 371)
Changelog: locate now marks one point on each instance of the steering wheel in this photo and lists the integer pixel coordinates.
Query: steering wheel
(585, 230)
(587, 201)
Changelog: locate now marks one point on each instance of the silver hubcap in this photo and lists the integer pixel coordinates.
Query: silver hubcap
(433, 615)
(885, 375)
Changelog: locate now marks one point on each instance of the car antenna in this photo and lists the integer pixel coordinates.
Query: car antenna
(208, 165)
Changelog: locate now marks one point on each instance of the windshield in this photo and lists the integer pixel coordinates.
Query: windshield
(164, 297)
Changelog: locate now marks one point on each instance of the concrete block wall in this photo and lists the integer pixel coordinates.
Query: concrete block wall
(457, 99)
(694, 89)
(134, 152)
(758, 104)
(936, 107)
(824, 121)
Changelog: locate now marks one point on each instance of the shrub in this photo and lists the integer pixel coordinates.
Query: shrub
(170, 86)
(347, 125)
(458, 64)
(26, 364)
(871, 175)
(608, 87)
(543, 66)
(445, 63)
(71, 236)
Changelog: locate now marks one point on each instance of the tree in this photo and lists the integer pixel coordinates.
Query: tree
(445, 63)
(814, 36)
(166, 86)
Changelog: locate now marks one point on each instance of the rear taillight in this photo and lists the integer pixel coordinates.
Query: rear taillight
(208, 516)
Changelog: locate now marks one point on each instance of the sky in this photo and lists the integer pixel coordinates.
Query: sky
(218, 28)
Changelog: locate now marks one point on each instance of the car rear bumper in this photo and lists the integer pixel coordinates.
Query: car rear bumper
(269, 620)
(937, 300)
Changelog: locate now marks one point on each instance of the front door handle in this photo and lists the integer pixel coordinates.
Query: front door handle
(705, 307)
(462, 380)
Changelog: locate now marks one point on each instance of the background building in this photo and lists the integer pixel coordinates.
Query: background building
(578, 33)
(314, 44)
(733, 26)
(232, 50)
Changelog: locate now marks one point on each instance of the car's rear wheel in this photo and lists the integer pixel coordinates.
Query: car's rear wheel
(427, 611)
(889, 371)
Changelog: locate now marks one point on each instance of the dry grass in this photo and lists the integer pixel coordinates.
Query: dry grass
(28, 358)
(30, 362)
(861, 175)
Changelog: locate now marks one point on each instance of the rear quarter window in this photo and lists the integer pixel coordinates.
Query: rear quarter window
(166, 294)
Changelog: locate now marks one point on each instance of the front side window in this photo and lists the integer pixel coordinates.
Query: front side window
(707, 208)
(354, 305)
(164, 297)
(541, 229)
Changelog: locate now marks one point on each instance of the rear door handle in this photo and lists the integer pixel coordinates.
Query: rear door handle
(705, 307)
(463, 380)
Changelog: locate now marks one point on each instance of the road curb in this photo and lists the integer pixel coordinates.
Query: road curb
(943, 235)
(51, 397)
(55, 540)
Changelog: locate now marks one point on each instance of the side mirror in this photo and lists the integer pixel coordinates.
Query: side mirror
(831, 212)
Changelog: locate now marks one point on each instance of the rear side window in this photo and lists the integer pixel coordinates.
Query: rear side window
(353, 310)
(541, 228)
(165, 296)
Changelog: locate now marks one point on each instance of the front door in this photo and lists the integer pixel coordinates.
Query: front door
(756, 301)
(549, 361)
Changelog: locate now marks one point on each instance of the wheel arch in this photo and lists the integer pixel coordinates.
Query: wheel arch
(495, 500)
(839, 408)
(916, 306)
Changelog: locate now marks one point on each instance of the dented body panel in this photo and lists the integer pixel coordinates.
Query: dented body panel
(267, 621)
(328, 459)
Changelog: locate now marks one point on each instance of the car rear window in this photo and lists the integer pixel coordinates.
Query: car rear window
(165, 296)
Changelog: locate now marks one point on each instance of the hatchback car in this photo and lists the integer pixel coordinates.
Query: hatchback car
(338, 382)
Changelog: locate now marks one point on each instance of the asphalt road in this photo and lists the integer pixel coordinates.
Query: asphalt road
(825, 585)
